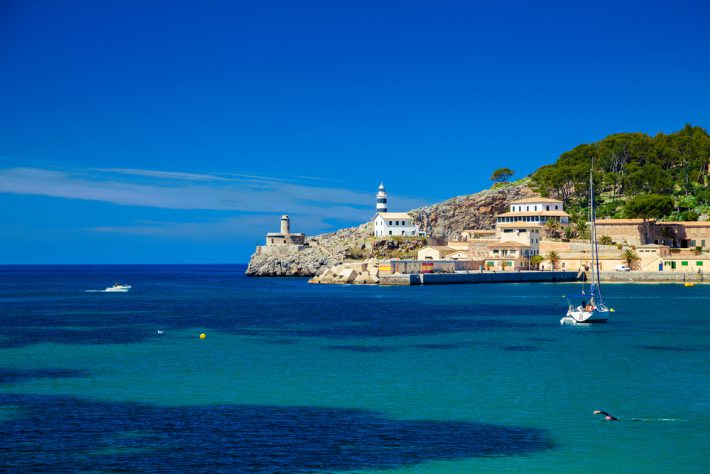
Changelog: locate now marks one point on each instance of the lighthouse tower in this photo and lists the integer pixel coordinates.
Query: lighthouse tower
(381, 199)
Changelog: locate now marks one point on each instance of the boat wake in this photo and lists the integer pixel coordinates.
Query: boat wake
(652, 419)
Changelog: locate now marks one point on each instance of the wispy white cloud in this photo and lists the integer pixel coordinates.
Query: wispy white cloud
(238, 193)
(242, 226)
(165, 174)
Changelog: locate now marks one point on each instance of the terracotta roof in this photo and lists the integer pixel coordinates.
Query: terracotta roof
(442, 249)
(689, 258)
(479, 231)
(619, 221)
(394, 215)
(535, 199)
(521, 224)
(687, 224)
(535, 213)
(509, 244)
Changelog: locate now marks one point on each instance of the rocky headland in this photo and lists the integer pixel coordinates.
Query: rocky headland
(442, 221)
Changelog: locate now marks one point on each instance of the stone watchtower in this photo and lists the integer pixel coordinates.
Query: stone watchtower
(285, 237)
(285, 225)
(381, 199)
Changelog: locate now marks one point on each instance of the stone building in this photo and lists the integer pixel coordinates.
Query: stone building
(673, 234)
(285, 237)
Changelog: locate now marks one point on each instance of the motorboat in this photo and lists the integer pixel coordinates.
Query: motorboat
(117, 287)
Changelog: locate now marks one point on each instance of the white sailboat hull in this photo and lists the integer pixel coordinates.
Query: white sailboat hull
(580, 316)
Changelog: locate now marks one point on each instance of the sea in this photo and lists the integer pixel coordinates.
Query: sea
(299, 378)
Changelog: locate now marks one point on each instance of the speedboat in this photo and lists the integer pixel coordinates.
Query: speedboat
(117, 287)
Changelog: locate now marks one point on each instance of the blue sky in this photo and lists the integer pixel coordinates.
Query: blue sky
(172, 131)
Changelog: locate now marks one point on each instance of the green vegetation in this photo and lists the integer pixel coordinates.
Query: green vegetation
(628, 166)
(606, 240)
(536, 260)
(554, 258)
(502, 175)
(630, 258)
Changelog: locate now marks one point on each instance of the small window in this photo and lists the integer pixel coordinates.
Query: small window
(692, 243)
(683, 264)
(390, 222)
(555, 207)
(702, 243)
(390, 232)
(699, 264)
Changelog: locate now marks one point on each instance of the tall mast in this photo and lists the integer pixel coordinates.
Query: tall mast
(593, 234)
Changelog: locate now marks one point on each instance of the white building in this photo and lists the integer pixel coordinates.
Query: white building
(395, 223)
(537, 210)
(386, 224)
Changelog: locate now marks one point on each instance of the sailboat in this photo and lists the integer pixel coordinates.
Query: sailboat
(593, 310)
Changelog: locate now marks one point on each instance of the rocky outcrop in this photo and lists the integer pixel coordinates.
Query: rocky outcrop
(446, 220)
(320, 252)
(356, 273)
(326, 250)
(289, 260)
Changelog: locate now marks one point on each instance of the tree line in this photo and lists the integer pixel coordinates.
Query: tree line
(635, 175)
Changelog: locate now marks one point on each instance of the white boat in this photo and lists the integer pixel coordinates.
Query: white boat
(117, 287)
(592, 310)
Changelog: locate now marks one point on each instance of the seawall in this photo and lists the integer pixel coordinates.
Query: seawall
(476, 277)
(653, 277)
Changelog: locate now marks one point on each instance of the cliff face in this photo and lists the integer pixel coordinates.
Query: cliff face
(323, 251)
(445, 220)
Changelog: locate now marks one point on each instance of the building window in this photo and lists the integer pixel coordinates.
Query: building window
(555, 207)
(702, 243)
(692, 243)
(683, 264)
(390, 232)
(390, 222)
(699, 264)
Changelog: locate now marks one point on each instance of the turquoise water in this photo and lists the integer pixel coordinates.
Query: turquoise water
(294, 377)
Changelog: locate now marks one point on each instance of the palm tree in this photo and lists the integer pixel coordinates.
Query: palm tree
(606, 240)
(552, 228)
(630, 257)
(536, 260)
(582, 229)
(569, 232)
(554, 258)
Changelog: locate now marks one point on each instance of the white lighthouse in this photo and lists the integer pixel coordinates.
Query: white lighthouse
(381, 199)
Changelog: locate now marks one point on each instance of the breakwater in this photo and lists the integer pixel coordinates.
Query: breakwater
(476, 277)
(653, 277)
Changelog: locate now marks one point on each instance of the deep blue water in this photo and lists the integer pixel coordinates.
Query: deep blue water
(294, 377)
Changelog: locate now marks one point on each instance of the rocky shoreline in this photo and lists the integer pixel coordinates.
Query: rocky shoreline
(445, 220)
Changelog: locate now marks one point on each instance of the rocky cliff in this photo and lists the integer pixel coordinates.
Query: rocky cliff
(445, 221)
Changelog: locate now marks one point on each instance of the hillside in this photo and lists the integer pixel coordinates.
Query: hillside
(630, 165)
(635, 175)
(443, 220)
